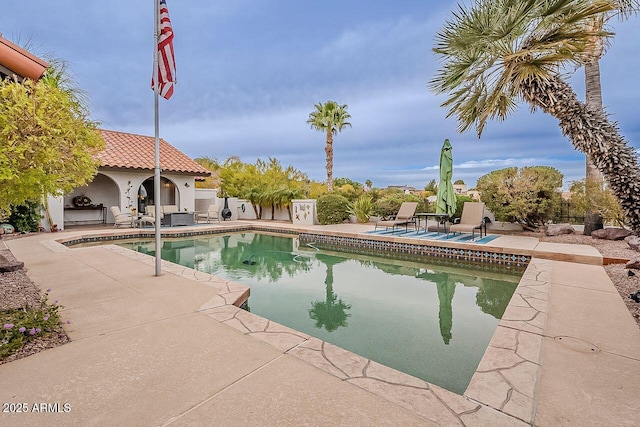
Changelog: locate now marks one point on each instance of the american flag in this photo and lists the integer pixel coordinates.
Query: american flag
(166, 59)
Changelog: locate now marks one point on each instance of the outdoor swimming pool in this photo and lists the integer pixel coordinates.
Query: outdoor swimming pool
(431, 321)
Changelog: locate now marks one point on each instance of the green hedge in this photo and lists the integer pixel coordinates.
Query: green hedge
(332, 209)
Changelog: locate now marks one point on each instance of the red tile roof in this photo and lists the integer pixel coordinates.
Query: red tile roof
(17, 60)
(129, 151)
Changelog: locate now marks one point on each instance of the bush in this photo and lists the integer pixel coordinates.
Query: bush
(26, 217)
(21, 325)
(332, 209)
(388, 206)
(361, 208)
(528, 196)
(595, 197)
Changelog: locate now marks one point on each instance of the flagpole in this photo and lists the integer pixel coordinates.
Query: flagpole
(156, 175)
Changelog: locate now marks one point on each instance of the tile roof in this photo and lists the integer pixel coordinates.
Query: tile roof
(130, 151)
(16, 60)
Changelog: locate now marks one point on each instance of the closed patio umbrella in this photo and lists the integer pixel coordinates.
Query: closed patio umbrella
(446, 202)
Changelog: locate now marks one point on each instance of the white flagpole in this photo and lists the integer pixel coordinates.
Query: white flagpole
(156, 176)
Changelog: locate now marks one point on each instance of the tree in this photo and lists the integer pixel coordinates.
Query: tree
(369, 184)
(47, 142)
(265, 184)
(431, 188)
(213, 166)
(528, 196)
(591, 60)
(330, 118)
(504, 51)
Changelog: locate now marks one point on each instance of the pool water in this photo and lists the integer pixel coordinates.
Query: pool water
(430, 321)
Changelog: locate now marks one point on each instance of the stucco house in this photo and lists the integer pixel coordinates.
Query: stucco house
(125, 179)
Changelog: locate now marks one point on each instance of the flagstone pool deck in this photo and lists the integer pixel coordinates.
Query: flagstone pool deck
(175, 350)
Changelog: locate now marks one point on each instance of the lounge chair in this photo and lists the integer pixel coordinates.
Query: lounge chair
(147, 219)
(472, 219)
(121, 218)
(213, 213)
(403, 217)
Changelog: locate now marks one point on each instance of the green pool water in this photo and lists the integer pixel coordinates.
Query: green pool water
(431, 321)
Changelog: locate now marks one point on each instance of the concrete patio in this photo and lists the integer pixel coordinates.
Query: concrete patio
(175, 350)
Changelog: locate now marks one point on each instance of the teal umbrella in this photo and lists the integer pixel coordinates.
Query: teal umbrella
(446, 202)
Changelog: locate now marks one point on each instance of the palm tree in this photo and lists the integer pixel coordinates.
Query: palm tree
(369, 184)
(593, 98)
(330, 118)
(591, 60)
(503, 51)
(332, 312)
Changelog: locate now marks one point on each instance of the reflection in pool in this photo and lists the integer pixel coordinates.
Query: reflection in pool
(430, 321)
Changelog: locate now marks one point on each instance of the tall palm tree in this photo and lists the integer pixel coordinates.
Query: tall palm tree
(591, 60)
(500, 52)
(330, 118)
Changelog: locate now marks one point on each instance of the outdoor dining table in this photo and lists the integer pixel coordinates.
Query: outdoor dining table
(438, 218)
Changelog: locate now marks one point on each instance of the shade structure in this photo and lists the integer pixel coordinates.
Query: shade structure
(446, 201)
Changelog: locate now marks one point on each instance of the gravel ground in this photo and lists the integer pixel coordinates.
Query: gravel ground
(17, 290)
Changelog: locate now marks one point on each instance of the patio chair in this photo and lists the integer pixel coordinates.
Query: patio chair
(472, 219)
(121, 218)
(212, 213)
(403, 217)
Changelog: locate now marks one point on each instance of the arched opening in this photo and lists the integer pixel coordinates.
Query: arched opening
(146, 193)
(103, 190)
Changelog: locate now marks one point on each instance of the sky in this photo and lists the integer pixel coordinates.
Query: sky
(250, 72)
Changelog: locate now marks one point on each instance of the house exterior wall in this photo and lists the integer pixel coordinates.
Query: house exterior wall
(118, 188)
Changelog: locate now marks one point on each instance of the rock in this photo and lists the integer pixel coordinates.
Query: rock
(558, 229)
(634, 242)
(634, 263)
(611, 233)
(7, 265)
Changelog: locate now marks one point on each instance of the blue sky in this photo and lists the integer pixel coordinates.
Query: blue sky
(249, 73)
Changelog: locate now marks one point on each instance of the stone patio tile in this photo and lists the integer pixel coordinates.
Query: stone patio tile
(215, 301)
(421, 401)
(505, 338)
(522, 378)
(498, 358)
(312, 352)
(287, 392)
(393, 376)
(488, 388)
(349, 363)
(279, 336)
(529, 346)
(222, 313)
(523, 313)
(486, 416)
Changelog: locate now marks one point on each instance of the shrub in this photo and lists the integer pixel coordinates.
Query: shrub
(20, 325)
(594, 196)
(361, 208)
(528, 196)
(26, 217)
(388, 206)
(332, 209)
